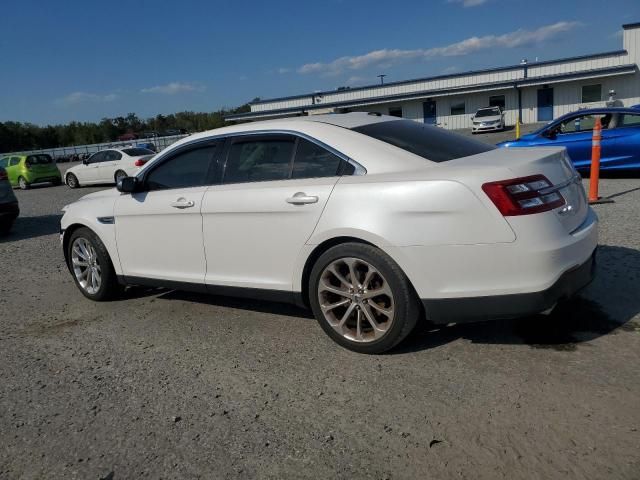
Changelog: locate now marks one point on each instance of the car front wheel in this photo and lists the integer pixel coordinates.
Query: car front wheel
(362, 299)
(91, 266)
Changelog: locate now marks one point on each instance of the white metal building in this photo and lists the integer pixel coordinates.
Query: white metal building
(532, 92)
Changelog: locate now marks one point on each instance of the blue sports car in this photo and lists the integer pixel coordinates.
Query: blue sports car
(620, 137)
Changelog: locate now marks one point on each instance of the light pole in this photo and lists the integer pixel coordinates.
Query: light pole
(381, 77)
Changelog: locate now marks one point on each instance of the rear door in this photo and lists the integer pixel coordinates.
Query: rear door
(273, 190)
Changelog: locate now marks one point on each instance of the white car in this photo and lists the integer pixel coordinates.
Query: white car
(490, 119)
(108, 166)
(371, 221)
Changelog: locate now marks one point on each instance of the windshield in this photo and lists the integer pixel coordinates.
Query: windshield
(39, 160)
(432, 143)
(138, 152)
(488, 112)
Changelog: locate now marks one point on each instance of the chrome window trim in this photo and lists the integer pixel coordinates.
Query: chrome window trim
(359, 169)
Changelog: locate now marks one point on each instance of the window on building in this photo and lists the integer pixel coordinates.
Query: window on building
(458, 107)
(591, 93)
(395, 111)
(497, 101)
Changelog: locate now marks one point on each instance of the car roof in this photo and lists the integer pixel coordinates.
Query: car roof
(587, 111)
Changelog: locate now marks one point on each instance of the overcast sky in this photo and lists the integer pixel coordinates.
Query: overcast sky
(71, 60)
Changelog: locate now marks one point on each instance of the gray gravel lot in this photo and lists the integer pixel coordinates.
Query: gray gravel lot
(172, 385)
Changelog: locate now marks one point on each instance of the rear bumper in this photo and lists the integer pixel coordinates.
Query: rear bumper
(477, 309)
(9, 211)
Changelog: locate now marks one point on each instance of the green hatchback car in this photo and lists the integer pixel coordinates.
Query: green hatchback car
(25, 170)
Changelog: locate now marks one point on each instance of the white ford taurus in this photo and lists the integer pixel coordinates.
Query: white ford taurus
(371, 221)
(108, 166)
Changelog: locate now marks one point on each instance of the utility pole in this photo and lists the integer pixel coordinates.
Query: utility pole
(381, 77)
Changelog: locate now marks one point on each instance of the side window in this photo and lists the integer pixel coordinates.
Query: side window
(630, 121)
(584, 123)
(97, 157)
(314, 161)
(186, 169)
(259, 160)
(14, 161)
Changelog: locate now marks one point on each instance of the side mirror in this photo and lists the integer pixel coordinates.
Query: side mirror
(128, 185)
(550, 134)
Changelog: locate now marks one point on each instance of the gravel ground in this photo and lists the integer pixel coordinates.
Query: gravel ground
(173, 385)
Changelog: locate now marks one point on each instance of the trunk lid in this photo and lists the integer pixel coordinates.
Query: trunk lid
(552, 162)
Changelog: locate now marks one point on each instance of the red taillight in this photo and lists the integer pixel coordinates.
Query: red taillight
(140, 162)
(523, 196)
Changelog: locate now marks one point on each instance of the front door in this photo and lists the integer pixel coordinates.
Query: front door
(107, 168)
(270, 200)
(88, 173)
(159, 230)
(429, 112)
(545, 104)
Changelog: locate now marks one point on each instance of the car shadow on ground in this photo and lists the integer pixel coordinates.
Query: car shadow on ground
(32, 227)
(572, 322)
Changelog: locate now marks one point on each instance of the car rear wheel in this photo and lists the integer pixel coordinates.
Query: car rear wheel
(22, 183)
(72, 181)
(119, 176)
(91, 266)
(5, 228)
(362, 299)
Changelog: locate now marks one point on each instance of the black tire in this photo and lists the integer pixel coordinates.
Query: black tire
(57, 182)
(22, 183)
(118, 175)
(406, 302)
(72, 181)
(109, 287)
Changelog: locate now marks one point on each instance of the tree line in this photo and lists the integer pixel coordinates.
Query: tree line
(17, 136)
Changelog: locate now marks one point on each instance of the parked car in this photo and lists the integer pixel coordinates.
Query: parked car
(489, 119)
(148, 146)
(371, 221)
(620, 145)
(107, 166)
(26, 170)
(9, 209)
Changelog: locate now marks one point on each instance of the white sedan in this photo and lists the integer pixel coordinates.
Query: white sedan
(490, 119)
(108, 166)
(371, 221)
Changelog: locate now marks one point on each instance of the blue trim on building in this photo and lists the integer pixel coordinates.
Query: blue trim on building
(450, 75)
(630, 68)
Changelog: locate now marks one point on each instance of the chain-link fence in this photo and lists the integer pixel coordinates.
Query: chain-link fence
(64, 153)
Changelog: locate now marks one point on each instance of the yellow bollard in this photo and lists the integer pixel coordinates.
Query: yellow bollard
(517, 129)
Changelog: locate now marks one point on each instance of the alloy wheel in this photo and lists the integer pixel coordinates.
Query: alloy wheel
(356, 300)
(86, 266)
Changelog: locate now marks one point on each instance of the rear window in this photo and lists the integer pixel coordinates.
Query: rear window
(42, 159)
(138, 152)
(432, 143)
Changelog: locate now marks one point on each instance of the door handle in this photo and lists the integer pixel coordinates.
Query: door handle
(183, 203)
(301, 198)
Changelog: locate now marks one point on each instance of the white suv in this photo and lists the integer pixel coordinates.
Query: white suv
(371, 221)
